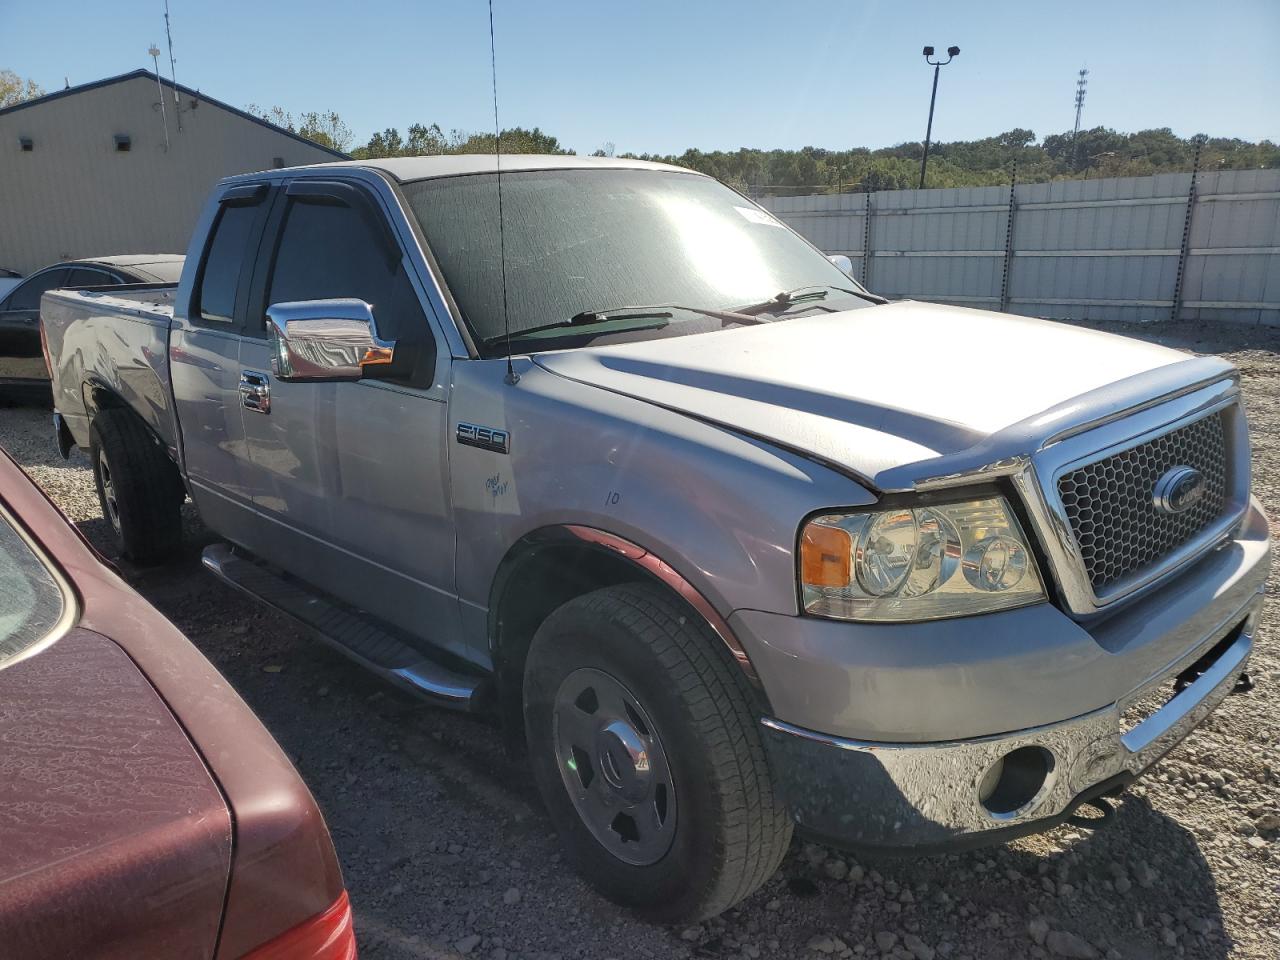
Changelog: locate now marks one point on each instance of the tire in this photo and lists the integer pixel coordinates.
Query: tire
(137, 488)
(717, 829)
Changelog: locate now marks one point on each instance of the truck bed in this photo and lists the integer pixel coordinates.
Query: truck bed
(116, 336)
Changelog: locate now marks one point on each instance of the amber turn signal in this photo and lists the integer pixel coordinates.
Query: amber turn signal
(826, 556)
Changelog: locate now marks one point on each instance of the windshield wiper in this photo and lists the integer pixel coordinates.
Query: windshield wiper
(661, 311)
(787, 298)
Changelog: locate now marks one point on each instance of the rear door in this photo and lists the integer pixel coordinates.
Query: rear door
(353, 476)
(204, 362)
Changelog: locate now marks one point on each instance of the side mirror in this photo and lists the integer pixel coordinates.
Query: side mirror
(844, 264)
(326, 340)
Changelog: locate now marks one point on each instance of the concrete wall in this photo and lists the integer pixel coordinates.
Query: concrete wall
(1114, 249)
(75, 195)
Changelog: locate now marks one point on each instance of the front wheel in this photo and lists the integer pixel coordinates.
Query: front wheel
(647, 753)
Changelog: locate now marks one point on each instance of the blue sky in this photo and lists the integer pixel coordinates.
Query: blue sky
(661, 76)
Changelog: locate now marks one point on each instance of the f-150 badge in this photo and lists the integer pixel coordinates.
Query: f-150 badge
(486, 438)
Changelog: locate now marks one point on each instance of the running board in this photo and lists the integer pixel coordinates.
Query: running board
(371, 645)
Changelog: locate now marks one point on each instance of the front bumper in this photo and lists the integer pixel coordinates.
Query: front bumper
(911, 793)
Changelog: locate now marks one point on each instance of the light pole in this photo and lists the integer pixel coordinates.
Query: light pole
(952, 53)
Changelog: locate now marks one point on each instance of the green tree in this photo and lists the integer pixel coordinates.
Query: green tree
(14, 89)
(429, 140)
(324, 127)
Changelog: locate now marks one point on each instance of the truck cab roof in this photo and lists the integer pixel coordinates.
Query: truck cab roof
(408, 169)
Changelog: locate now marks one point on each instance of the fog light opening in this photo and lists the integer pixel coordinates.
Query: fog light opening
(1013, 781)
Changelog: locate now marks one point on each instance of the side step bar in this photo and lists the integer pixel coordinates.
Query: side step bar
(371, 645)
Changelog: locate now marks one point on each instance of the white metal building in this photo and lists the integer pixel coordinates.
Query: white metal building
(101, 169)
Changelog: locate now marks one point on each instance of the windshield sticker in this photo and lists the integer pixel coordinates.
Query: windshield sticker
(757, 216)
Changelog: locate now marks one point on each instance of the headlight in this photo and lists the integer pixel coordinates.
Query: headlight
(917, 563)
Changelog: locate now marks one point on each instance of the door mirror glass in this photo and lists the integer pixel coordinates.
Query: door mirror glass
(327, 340)
(844, 263)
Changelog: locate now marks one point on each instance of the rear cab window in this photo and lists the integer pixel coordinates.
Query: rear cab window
(221, 274)
(230, 250)
(35, 607)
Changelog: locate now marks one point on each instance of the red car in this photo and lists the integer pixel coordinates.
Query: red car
(145, 812)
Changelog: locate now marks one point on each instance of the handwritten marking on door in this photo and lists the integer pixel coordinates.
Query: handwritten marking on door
(496, 486)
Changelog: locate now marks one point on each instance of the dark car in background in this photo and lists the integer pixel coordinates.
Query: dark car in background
(22, 367)
(145, 812)
(8, 280)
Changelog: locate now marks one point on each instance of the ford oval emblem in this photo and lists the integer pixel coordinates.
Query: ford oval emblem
(1180, 489)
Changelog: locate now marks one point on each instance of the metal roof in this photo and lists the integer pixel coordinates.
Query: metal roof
(149, 75)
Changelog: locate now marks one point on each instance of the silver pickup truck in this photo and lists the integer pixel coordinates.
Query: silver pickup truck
(739, 547)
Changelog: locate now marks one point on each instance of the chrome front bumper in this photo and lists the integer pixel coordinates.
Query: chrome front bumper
(929, 795)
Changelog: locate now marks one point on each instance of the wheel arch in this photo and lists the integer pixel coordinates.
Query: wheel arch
(550, 566)
(98, 395)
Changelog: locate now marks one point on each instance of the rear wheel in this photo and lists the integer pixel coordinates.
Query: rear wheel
(646, 749)
(138, 487)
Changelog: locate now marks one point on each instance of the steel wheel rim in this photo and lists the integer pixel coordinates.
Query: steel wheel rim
(109, 492)
(614, 766)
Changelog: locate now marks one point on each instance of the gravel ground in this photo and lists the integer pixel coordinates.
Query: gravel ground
(447, 852)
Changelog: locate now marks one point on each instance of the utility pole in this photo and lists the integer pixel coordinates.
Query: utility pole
(952, 53)
(154, 52)
(1082, 84)
(173, 70)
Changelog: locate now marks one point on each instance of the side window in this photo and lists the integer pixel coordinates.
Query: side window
(88, 278)
(26, 296)
(227, 252)
(331, 250)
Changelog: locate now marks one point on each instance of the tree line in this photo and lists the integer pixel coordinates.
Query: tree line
(1096, 152)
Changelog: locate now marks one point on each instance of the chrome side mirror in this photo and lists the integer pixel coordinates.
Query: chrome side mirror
(326, 340)
(844, 264)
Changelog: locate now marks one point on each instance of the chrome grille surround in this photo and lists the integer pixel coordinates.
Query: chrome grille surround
(1112, 507)
(1038, 479)
(1032, 454)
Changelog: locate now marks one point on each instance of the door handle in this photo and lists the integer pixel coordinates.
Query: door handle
(255, 391)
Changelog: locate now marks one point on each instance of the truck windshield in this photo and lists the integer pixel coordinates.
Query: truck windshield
(588, 241)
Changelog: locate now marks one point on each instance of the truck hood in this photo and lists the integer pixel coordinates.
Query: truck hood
(871, 389)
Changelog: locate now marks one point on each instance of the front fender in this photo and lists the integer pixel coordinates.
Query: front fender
(721, 509)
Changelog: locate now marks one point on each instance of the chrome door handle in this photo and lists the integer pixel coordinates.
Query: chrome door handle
(255, 391)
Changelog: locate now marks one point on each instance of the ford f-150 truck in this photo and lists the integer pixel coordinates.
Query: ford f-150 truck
(740, 547)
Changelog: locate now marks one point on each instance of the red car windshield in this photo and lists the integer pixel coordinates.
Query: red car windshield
(32, 603)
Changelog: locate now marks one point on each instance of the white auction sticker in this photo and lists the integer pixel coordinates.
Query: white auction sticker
(757, 216)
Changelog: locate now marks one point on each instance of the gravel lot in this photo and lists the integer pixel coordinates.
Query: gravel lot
(447, 852)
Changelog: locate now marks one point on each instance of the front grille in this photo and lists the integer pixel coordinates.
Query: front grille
(1111, 504)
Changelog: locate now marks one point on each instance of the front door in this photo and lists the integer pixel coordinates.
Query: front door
(353, 476)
